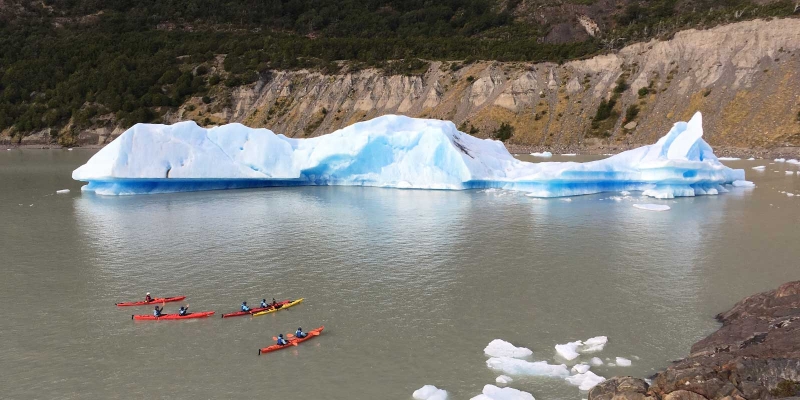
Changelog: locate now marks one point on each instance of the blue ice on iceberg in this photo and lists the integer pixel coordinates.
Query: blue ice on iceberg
(389, 151)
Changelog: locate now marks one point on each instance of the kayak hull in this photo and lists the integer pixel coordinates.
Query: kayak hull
(147, 303)
(285, 306)
(253, 310)
(193, 315)
(291, 343)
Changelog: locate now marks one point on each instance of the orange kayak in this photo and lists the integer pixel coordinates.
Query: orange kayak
(291, 342)
(151, 317)
(154, 301)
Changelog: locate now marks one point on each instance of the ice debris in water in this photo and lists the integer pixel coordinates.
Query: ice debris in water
(501, 348)
(513, 366)
(580, 368)
(429, 392)
(568, 351)
(571, 350)
(492, 392)
(760, 167)
(62, 191)
(594, 344)
(743, 184)
(751, 159)
(503, 379)
(789, 172)
(389, 151)
(544, 154)
(793, 161)
(585, 381)
(780, 160)
(623, 362)
(625, 193)
(652, 207)
(569, 155)
(728, 158)
(596, 361)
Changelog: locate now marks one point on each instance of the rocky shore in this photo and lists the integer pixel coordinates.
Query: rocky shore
(754, 355)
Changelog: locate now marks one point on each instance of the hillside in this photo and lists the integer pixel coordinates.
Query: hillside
(79, 71)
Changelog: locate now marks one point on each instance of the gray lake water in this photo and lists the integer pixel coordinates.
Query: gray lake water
(410, 285)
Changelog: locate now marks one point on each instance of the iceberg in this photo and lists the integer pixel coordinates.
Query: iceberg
(503, 379)
(623, 362)
(585, 381)
(501, 348)
(429, 392)
(544, 154)
(513, 366)
(492, 392)
(389, 151)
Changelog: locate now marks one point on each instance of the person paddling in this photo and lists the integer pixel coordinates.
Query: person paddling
(183, 311)
(157, 311)
(264, 303)
(147, 298)
(281, 340)
(245, 308)
(274, 303)
(300, 334)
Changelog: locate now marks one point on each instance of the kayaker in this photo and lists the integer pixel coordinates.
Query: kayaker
(147, 298)
(157, 311)
(183, 311)
(300, 334)
(281, 340)
(264, 303)
(245, 308)
(274, 303)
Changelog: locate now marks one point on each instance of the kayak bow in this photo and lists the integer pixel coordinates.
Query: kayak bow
(154, 301)
(253, 310)
(285, 306)
(292, 342)
(202, 314)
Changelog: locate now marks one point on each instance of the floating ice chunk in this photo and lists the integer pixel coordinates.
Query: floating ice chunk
(544, 154)
(780, 160)
(789, 172)
(501, 348)
(596, 361)
(793, 161)
(728, 158)
(569, 351)
(751, 159)
(567, 200)
(760, 167)
(429, 392)
(513, 366)
(580, 368)
(623, 362)
(569, 155)
(594, 344)
(492, 392)
(62, 191)
(69, 149)
(611, 365)
(503, 379)
(790, 194)
(743, 184)
(636, 358)
(585, 381)
(652, 207)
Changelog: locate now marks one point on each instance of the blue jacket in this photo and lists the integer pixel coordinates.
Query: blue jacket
(300, 334)
(182, 311)
(245, 308)
(281, 341)
(263, 304)
(156, 313)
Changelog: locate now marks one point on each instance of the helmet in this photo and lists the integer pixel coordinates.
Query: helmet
(148, 293)
(281, 335)
(156, 307)
(244, 302)
(299, 329)
(263, 299)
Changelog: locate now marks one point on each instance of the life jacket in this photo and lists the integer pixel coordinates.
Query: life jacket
(157, 313)
(299, 333)
(182, 311)
(148, 298)
(281, 341)
(263, 304)
(245, 308)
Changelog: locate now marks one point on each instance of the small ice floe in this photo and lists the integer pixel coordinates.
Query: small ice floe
(571, 350)
(611, 365)
(544, 154)
(503, 379)
(596, 361)
(790, 194)
(623, 362)
(625, 193)
(501, 348)
(569, 155)
(789, 172)
(751, 159)
(652, 207)
(69, 149)
(585, 381)
(514, 366)
(594, 344)
(728, 158)
(793, 161)
(780, 160)
(429, 392)
(760, 167)
(62, 191)
(567, 200)
(492, 392)
(580, 368)
(743, 184)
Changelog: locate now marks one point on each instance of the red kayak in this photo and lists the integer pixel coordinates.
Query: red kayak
(291, 342)
(253, 310)
(154, 301)
(203, 314)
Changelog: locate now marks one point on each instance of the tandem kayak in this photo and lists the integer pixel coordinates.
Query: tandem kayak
(154, 301)
(254, 310)
(291, 342)
(202, 314)
(272, 310)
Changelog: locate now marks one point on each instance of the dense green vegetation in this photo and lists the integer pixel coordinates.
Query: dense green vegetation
(70, 62)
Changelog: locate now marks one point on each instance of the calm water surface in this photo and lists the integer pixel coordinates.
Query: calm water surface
(411, 285)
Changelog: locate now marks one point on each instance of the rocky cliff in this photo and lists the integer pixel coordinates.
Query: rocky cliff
(754, 355)
(744, 77)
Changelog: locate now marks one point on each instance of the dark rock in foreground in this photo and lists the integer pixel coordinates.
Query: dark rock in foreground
(754, 355)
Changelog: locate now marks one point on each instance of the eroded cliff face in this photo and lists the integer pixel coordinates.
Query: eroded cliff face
(744, 77)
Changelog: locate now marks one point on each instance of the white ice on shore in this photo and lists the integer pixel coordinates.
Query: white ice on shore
(544, 154)
(501, 348)
(503, 379)
(389, 151)
(429, 392)
(62, 191)
(743, 184)
(652, 207)
(585, 381)
(513, 366)
(492, 392)
(623, 362)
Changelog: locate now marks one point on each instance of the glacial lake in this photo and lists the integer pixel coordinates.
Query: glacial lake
(410, 285)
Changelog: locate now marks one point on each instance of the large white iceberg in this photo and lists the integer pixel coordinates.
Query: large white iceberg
(389, 151)
(501, 348)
